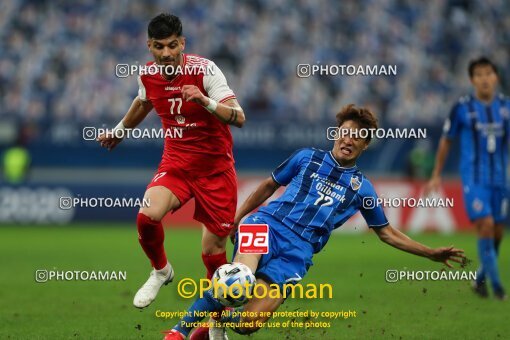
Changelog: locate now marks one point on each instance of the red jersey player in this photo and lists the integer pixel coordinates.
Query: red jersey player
(195, 107)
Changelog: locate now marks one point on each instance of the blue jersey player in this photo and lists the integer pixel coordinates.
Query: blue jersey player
(323, 190)
(481, 122)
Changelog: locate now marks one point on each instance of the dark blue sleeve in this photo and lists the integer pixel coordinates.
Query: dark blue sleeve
(284, 173)
(452, 125)
(372, 212)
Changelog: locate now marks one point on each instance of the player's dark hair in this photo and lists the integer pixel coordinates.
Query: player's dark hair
(363, 116)
(163, 26)
(482, 61)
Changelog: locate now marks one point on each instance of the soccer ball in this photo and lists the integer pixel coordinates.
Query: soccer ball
(232, 284)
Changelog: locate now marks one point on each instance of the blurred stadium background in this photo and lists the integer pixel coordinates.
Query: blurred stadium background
(57, 76)
(57, 72)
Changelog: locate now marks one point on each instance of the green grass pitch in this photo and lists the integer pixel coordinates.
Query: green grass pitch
(354, 265)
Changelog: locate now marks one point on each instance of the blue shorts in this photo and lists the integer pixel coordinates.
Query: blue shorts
(482, 201)
(289, 255)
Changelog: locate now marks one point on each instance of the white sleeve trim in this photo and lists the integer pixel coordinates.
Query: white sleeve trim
(142, 93)
(378, 225)
(215, 84)
(274, 178)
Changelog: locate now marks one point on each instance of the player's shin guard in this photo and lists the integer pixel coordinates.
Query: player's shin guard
(213, 262)
(487, 256)
(207, 303)
(151, 237)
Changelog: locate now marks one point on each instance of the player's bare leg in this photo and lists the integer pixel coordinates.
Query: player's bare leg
(151, 236)
(257, 306)
(250, 260)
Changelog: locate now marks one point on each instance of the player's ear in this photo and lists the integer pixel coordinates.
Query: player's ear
(183, 42)
(149, 44)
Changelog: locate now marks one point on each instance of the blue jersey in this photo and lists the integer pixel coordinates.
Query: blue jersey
(484, 131)
(320, 196)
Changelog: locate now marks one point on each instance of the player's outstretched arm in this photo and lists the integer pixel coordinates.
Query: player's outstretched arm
(442, 152)
(256, 198)
(134, 116)
(229, 112)
(137, 112)
(401, 241)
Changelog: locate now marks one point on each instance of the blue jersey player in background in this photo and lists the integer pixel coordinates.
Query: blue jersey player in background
(323, 190)
(481, 121)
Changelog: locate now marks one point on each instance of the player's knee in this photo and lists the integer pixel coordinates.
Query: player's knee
(213, 244)
(499, 231)
(485, 233)
(485, 227)
(212, 249)
(153, 214)
(250, 325)
(145, 223)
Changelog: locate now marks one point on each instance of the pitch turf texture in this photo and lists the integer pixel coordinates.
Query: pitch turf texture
(354, 265)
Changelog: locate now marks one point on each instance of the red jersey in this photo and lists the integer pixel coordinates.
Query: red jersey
(196, 142)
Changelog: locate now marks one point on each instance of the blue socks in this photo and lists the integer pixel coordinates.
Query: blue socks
(207, 303)
(489, 267)
(480, 273)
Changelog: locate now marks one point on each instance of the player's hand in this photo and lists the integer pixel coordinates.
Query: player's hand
(433, 185)
(108, 140)
(193, 94)
(445, 254)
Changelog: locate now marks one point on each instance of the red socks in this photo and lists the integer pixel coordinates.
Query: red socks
(151, 237)
(212, 262)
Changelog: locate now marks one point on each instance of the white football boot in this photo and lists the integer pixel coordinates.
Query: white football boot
(150, 289)
(217, 333)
